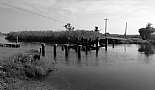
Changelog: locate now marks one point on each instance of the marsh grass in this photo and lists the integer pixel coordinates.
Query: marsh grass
(53, 37)
(24, 66)
(63, 37)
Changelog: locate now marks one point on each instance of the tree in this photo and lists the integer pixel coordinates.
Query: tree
(96, 29)
(69, 27)
(146, 32)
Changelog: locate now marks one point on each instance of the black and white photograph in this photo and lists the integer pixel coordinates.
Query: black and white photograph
(77, 45)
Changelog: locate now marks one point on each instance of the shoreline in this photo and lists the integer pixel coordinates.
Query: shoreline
(18, 74)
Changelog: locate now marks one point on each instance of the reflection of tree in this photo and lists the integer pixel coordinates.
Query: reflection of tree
(147, 49)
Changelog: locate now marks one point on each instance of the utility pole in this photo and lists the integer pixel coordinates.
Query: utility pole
(105, 26)
(106, 39)
(126, 26)
(17, 39)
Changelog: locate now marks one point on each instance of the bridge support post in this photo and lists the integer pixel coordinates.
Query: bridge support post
(62, 47)
(43, 49)
(79, 52)
(66, 51)
(113, 43)
(86, 47)
(40, 51)
(106, 44)
(54, 51)
(97, 43)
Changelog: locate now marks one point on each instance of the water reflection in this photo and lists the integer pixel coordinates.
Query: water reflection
(77, 56)
(97, 50)
(119, 68)
(147, 49)
(97, 57)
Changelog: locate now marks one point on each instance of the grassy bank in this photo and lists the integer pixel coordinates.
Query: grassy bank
(63, 37)
(53, 37)
(18, 71)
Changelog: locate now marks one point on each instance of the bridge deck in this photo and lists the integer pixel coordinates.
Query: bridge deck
(114, 38)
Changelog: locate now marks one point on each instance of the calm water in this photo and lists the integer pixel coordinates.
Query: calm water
(125, 67)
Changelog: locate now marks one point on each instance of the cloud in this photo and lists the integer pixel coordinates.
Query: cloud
(66, 9)
(88, 12)
(47, 9)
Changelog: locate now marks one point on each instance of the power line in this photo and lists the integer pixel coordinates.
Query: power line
(29, 11)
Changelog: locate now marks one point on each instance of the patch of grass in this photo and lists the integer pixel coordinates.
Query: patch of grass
(53, 37)
(24, 66)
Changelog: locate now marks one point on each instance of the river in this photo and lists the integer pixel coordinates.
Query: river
(125, 67)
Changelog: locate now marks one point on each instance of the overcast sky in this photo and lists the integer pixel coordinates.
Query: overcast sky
(18, 15)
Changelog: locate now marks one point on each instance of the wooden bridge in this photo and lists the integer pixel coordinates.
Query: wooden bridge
(78, 47)
(111, 40)
(114, 38)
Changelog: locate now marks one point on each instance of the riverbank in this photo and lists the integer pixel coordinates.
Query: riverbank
(25, 71)
(134, 41)
(75, 37)
(59, 37)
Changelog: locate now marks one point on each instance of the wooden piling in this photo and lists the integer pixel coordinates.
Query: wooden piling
(97, 52)
(54, 51)
(43, 49)
(86, 49)
(79, 52)
(62, 47)
(113, 43)
(97, 44)
(66, 51)
(76, 49)
(40, 51)
(106, 44)
(97, 41)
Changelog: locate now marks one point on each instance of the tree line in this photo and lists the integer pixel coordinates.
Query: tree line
(146, 33)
